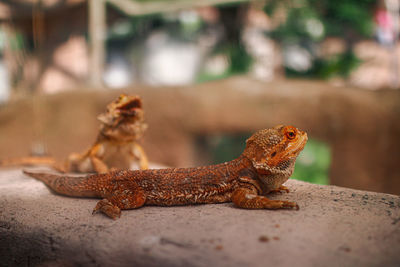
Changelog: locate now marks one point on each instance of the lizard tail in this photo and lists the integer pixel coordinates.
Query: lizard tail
(65, 185)
(33, 161)
(46, 178)
(27, 161)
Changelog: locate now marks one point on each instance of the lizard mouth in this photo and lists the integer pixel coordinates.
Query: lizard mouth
(130, 108)
(125, 109)
(132, 104)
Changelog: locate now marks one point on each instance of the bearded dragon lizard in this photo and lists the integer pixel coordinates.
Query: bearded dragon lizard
(266, 163)
(116, 145)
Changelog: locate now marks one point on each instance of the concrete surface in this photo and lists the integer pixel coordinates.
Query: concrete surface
(334, 227)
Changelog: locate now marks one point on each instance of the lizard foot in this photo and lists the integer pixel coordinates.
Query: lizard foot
(108, 209)
(281, 189)
(245, 198)
(290, 205)
(278, 204)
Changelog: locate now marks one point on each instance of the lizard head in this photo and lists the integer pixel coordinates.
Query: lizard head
(124, 118)
(274, 151)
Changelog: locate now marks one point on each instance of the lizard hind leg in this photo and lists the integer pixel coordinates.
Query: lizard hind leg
(108, 208)
(127, 200)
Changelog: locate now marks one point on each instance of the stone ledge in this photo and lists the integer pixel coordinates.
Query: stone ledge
(335, 226)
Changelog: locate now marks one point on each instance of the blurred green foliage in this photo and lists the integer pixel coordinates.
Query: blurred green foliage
(310, 21)
(313, 163)
(239, 61)
(304, 23)
(188, 28)
(206, 77)
(342, 18)
(311, 166)
(230, 45)
(339, 65)
(226, 147)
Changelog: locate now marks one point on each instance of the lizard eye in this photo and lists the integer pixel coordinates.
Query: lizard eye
(290, 135)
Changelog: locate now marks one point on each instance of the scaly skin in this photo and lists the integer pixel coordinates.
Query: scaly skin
(266, 163)
(116, 145)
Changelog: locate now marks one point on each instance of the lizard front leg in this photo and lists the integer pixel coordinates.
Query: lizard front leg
(112, 206)
(138, 153)
(248, 199)
(96, 153)
(247, 196)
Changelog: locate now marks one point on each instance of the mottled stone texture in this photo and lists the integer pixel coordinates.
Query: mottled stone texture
(334, 227)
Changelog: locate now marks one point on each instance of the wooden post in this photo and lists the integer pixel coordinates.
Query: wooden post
(97, 34)
(393, 7)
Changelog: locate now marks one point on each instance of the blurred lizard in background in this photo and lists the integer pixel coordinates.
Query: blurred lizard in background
(266, 163)
(116, 147)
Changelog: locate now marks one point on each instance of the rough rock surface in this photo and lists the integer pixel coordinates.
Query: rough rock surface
(334, 227)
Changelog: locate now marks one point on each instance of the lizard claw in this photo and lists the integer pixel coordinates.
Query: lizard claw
(290, 205)
(108, 209)
(281, 189)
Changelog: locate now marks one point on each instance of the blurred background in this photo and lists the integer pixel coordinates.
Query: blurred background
(210, 73)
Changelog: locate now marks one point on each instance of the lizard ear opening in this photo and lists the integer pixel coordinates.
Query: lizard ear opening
(260, 156)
